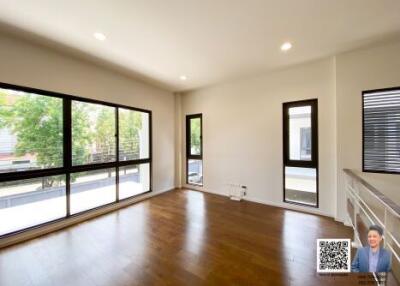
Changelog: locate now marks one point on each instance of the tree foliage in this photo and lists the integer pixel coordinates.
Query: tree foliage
(37, 123)
(195, 140)
(4, 113)
(82, 135)
(129, 125)
(105, 135)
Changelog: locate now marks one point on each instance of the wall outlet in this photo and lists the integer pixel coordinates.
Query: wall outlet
(244, 190)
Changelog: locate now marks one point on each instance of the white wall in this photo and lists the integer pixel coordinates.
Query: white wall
(242, 123)
(371, 68)
(242, 131)
(28, 64)
(242, 120)
(178, 140)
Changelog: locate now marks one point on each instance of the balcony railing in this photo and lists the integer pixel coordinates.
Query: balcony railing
(366, 206)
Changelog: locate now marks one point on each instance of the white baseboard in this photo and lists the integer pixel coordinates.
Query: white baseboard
(54, 226)
(289, 206)
(200, 189)
(266, 202)
(344, 221)
(339, 220)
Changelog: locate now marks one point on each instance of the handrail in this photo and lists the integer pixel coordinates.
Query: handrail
(358, 206)
(392, 206)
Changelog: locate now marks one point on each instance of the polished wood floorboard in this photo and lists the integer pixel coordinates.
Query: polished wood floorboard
(181, 237)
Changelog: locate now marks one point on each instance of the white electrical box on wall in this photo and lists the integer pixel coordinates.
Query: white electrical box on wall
(236, 192)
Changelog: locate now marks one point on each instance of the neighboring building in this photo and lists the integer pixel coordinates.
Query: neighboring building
(8, 160)
(8, 141)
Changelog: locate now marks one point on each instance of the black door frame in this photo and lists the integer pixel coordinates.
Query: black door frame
(190, 156)
(314, 162)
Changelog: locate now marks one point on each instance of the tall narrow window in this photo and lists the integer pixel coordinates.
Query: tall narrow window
(194, 150)
(134, 138)
(381, 131)
(300, 152)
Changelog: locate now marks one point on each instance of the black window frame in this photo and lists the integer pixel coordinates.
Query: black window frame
(67, 168)
(189, 155)
(116, 111)
(313, 163)
(388, 89)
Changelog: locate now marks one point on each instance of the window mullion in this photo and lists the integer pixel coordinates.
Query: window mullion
(117, 151)
(67, 144)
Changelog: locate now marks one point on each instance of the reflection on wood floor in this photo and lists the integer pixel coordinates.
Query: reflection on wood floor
(181, 237)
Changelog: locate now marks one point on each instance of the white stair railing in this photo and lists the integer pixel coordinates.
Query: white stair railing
(365, 206)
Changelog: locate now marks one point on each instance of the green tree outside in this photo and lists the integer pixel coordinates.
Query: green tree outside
(37, 122)
(105, 134)
(130, 122)
(82, 135)
(195, 129)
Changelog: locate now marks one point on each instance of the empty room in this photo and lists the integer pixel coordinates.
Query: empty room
(223, 142)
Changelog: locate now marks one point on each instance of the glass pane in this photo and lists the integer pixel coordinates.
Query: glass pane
(133, 135)
(93, 133)
(301, 185)
(195, 172)
(134, 180)
(300, 133)
(31, 131)
(195, 136)
(92, 189)
(27, 203)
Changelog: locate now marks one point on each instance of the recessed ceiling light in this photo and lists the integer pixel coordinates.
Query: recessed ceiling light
(183, 77)
(286, 46)
(99, 36)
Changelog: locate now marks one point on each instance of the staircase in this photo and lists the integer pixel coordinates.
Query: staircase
(366, 206)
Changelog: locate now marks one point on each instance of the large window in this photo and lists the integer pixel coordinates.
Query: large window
(31, 131)
(93, 133)
(381, 131)
(194, 149)
(92, 189)
(300, 152)
(61, 155)
(133, 135)
(26, 203)
(133, 180)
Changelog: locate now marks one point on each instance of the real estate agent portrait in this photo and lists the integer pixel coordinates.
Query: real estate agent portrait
(372, 258)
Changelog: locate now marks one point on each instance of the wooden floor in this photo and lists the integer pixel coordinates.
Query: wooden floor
(182, 237)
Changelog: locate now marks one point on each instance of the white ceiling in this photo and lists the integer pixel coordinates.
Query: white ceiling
(209, 41)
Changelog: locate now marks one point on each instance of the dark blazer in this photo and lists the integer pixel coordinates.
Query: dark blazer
(361, 260)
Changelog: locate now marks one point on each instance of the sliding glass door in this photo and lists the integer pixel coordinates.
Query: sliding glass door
(300, 152)
(61, 155)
